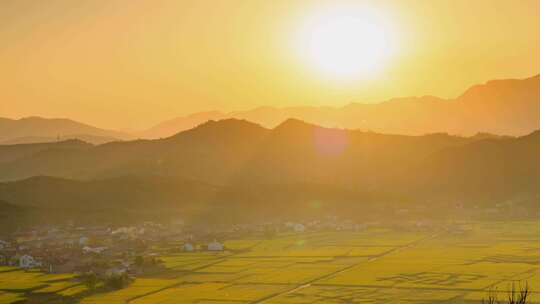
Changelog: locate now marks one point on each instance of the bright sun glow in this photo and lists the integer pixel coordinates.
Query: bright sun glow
(346, 42)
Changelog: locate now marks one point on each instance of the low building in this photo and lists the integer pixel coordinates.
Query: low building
(83, 241)
(299, 228)
(66, 266)
(97, 250)
(215, 246)
(27, 261)
(188, 247)
(115, 271)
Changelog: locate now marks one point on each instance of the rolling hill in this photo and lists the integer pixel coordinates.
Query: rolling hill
(242, 169)
(162, 198)
(234, 151)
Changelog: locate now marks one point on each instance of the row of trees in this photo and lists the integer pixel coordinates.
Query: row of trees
(118, 281)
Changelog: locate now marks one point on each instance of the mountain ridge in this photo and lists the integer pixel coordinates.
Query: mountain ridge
(220, 167)
(33, 128)
(467, 114)
(508, 107)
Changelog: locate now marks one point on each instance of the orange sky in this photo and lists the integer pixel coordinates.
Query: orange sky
(130, 64)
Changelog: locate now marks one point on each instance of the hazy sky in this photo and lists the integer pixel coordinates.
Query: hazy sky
(130, 64)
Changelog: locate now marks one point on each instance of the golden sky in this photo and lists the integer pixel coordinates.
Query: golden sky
(130, 64)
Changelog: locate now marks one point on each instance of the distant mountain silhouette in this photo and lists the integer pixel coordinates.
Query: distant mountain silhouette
(501, 107)
(225, 151)
(171, 127)
(504, 107)
(96, 140)
(37, 129)
(238, 152)
(242, 169)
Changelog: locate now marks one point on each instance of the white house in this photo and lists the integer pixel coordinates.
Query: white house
(27, 261)
(116, 271)
(87, 249)
(299, 228)
(83, 241)
(289, 225)
(3, 244)
(188, 247)
(215, 246)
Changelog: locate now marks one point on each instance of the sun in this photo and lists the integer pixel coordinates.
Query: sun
(346, 42)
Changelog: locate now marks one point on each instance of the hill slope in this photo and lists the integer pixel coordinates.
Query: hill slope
(231, 151)
(242, 170)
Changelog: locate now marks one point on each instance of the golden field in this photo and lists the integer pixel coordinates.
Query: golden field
(371, 266)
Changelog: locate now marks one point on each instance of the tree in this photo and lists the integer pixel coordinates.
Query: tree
(118, 281)
(139, 261)
(90, 280)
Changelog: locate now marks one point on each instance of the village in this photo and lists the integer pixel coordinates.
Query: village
(71, 263)
(102, 250)
(133, 250)
(115, 256)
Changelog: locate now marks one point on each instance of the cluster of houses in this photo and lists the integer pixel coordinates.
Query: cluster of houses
(214, 245)
(80, 249)
(102, 250)
(113, 250)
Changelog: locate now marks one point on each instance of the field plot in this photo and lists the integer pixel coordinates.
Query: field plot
(326, 294)
(16, 285)
(137, 289)
(210, 293)
(331, 244)
(9, 297)
(191, 261)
